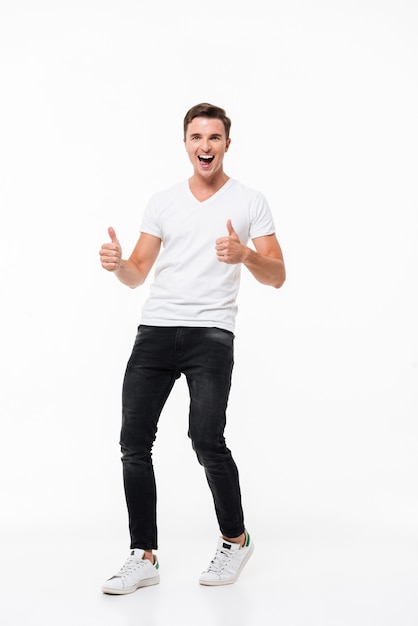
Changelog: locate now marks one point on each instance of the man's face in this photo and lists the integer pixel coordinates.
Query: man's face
(206, 145)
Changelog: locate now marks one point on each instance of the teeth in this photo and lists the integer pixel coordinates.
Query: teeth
(205, 158)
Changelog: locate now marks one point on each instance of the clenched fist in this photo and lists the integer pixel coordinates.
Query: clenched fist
(111, 253)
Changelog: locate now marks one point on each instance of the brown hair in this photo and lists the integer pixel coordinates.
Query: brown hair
(207, 110)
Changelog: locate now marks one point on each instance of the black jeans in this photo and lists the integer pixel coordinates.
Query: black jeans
(159, 356)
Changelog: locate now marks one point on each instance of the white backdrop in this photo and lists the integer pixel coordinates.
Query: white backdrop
(323, 413)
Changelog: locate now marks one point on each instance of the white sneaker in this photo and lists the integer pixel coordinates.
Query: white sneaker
(135, 573)
(227, 563)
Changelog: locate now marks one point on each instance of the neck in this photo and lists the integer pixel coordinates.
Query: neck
(205, 187)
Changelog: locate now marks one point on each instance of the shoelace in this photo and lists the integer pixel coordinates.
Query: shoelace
(130, 566)
(220, 561)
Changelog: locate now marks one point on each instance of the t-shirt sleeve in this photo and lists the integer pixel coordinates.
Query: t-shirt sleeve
(150, 223)
(261, 219)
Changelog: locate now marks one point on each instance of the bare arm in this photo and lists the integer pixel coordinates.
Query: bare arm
(265, 262)
(134, 270)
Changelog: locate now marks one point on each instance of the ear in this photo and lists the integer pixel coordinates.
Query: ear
(227, 144)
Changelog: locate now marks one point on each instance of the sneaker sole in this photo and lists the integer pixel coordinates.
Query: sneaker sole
(229, 581)
(147, 582)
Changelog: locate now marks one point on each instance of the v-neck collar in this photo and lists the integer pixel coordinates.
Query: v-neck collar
(217, 193)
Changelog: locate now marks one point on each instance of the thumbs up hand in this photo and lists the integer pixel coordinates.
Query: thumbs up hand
(229, 249)
(231, 231)
(111, 253)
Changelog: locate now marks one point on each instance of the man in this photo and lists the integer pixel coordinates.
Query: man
(187, 328)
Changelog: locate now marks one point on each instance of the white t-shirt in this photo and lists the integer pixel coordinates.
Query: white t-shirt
(191, 287)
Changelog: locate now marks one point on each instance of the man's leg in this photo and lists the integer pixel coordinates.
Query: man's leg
(147, 384)
(209, 363)
(148, 381)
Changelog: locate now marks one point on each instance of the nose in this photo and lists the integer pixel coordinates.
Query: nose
(205, 145)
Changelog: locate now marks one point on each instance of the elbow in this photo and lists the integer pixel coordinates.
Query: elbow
(279, 284)
(280, 279)
(136, 283)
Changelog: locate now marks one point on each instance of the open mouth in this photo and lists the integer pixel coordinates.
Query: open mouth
(205, 159)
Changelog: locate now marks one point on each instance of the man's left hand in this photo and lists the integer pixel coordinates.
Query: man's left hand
(230, 249)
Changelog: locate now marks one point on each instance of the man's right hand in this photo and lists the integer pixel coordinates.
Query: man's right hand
(111, 253)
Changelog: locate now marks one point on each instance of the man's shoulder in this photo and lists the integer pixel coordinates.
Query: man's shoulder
(250, 193)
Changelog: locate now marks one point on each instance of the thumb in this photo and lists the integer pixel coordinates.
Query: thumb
(230, 228)
(112, 235)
